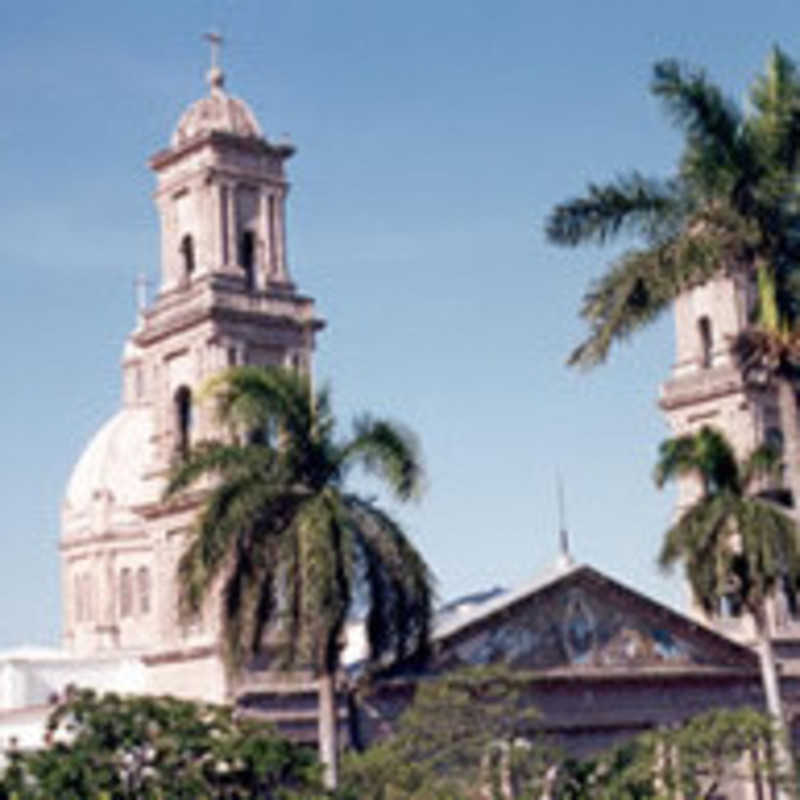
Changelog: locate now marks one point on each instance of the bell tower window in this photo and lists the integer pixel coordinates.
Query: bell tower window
(79, 614)
(125, 593)
(247, 258)
(706, 341)
(183, 420)
(187, 253)
(143, 589)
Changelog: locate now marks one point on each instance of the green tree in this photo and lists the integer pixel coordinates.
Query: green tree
(157, 748)
(297, 549)
(730, 208)
(695, 760)
(719, 746)
(463, 732)
(734, 546)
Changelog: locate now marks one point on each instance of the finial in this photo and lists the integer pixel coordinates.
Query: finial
(216, 77)
(564, 555)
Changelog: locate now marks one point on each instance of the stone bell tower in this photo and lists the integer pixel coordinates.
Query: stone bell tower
(706, 386)
(225, 298)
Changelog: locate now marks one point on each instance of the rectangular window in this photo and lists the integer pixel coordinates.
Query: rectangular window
(143, 589)
(125, 593)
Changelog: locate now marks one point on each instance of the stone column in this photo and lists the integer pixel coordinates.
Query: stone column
(232, 238)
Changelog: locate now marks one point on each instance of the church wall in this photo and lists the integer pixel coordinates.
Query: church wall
(724, 302)
(191, 677)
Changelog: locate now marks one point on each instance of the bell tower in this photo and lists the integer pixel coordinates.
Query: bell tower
(225, 297)
(706, 386)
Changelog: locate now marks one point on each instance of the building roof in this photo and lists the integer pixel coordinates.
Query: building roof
(115, 464)
(218, 112)
(454, 627)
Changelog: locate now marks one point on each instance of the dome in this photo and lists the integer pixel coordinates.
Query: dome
(216, 112)
(116, 464)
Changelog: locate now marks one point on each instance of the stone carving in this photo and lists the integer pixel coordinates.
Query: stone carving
(571, 627)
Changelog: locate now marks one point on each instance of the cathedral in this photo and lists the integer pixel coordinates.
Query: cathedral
(609, 661)
(225, 297)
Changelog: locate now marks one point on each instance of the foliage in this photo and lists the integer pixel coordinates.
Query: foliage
(733, 545)
(732, 204)
(294, 546)
(692, 760)
(462, 729)
(148, 748)
(442, 748)
(713, 746)
(297, 551)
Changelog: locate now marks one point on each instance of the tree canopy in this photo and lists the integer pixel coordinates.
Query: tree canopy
(110, 747)
(733, 203)
(296, 550)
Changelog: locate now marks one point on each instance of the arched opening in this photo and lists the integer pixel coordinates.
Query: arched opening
(143, 589)
(187, 251)
(88, 598)
(706, 341)
(183, 420)
(125, 592)
(78, 589)
(247, 258)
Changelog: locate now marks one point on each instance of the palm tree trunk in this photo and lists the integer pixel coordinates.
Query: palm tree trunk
(772, 695)
(787, 409)
(328, 728)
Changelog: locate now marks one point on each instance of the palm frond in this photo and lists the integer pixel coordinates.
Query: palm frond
(775, 96)
(327, 576)
(639, 286)
(247, 594)
(765, 463)
(263, 397)
(399, 585)
(675, 459)
(217, 459)
(699, 539)
(631, 204)
(244, 508)
(731, 544)
(291, 547)
(387, 450)
(712, 123)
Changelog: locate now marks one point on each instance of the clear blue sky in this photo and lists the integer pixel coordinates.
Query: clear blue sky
(433, 138)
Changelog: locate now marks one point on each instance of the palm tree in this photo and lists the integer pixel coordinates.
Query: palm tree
(735, 546)
(732, 206)
(297, 551)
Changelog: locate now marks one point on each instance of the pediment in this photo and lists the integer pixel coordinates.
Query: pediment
(580, 619)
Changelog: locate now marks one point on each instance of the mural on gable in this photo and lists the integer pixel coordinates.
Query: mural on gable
(571, 626)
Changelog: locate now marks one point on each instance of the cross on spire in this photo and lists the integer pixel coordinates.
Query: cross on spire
(215, 74)
(215, 40)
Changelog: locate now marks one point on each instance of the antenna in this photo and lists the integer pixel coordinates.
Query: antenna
(564, 555)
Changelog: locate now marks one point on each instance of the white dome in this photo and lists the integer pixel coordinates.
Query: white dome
(216, 112)
(116, 463)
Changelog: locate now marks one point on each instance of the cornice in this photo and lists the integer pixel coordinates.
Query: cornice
(170, 155)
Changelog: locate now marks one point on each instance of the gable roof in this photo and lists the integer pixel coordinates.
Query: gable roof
(455, 625)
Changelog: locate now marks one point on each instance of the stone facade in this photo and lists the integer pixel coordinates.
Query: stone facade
(706, 386)
(605, 661)
(602, 663)
(225, 298)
